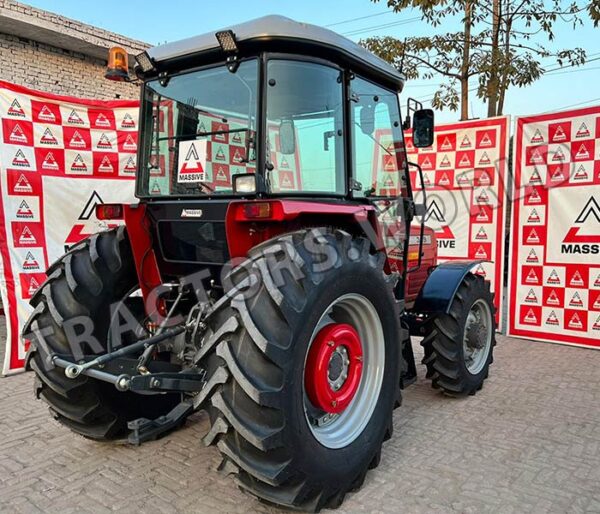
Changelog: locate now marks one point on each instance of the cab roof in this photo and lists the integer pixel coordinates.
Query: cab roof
(279, 29)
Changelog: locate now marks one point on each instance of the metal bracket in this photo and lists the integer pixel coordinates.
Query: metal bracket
(167, 382)
(144, 429)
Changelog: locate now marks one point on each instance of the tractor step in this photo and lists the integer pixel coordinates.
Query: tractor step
(144, 429)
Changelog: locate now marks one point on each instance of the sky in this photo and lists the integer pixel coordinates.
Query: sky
(157, 21)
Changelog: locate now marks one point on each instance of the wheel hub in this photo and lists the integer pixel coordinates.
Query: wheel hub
(334, 367)
(477, 337)
(476, 334)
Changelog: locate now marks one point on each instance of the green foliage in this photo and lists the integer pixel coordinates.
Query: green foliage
(498, 48)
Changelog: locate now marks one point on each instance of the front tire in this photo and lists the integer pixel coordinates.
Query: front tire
(459, 345)
(256, 357)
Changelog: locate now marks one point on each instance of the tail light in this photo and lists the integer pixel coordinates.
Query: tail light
(257, 210)
(109, 211)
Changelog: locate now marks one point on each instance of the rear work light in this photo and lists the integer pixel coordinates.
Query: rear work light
(109, 211)
(144, 62)
(257, 210)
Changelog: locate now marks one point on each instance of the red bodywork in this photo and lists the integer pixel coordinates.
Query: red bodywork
(249, 223)
(245, 232)
(139, 232)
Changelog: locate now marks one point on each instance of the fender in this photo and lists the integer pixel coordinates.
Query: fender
(441, 286)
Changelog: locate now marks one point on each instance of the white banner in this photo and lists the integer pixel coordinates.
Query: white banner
(59, 158)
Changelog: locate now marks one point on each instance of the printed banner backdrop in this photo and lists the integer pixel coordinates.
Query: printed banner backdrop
(59, 158)
(464, 174)
(555, 250)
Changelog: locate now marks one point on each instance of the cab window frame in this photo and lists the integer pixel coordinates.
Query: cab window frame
(352, 128)
(346, 167)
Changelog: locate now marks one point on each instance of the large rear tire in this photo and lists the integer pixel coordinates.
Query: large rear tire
(459, 346)
(263, 419)
(85, 282)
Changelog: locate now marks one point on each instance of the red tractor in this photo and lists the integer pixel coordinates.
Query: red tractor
(268, 274)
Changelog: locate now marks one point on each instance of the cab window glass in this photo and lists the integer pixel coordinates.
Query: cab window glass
(305, 144)
(377, 141)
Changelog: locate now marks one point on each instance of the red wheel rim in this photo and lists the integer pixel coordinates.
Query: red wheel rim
(341, 339)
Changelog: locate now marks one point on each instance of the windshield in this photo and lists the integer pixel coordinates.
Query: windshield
(199, 130)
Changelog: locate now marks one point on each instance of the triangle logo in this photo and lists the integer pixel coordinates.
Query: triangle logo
(77, 140)
(27, 237)
(102, 121)
(576, 280)
(104, 143)
(532, 277)
(537, 137)
(533, 217)
(105, 165)
(552, 319)
(23, 185)
(481, 234)
(532, 257)
(445, 162)
(16, 110)
(530, 317)
(49, 162)
(575, 322)
(48, 138)
(30, 262)
(531, 297)
(486, 140)
(127, 121)
(582, 153)
(576, 300)
(33, 286)
(78, 164)
(20, 160)
(129, 143)
(18, 136)
(446, 145)
(130, 165)
(553, 298)
(74, 118)
(553, 278)
(583, 131)
(46, 114)
(24, 211)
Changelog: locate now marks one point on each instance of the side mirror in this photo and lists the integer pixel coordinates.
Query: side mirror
(287, 137)
(367, 119)
(423, 128)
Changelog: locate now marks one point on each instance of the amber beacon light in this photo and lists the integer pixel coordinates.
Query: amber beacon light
(118, 68)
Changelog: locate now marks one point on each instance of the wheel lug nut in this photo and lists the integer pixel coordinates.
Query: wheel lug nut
(330, 343)
(359, 358)
(334, 403)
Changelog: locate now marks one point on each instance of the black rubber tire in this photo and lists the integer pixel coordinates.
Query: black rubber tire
(86, 281)
(255, 359)
(443, 341)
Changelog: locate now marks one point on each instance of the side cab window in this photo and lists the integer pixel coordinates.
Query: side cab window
(377, 140)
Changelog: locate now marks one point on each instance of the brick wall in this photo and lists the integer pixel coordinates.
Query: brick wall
(46, 65)
(51, 69)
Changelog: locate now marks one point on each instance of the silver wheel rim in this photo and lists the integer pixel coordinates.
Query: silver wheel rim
(477, 336)
(340, 430)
